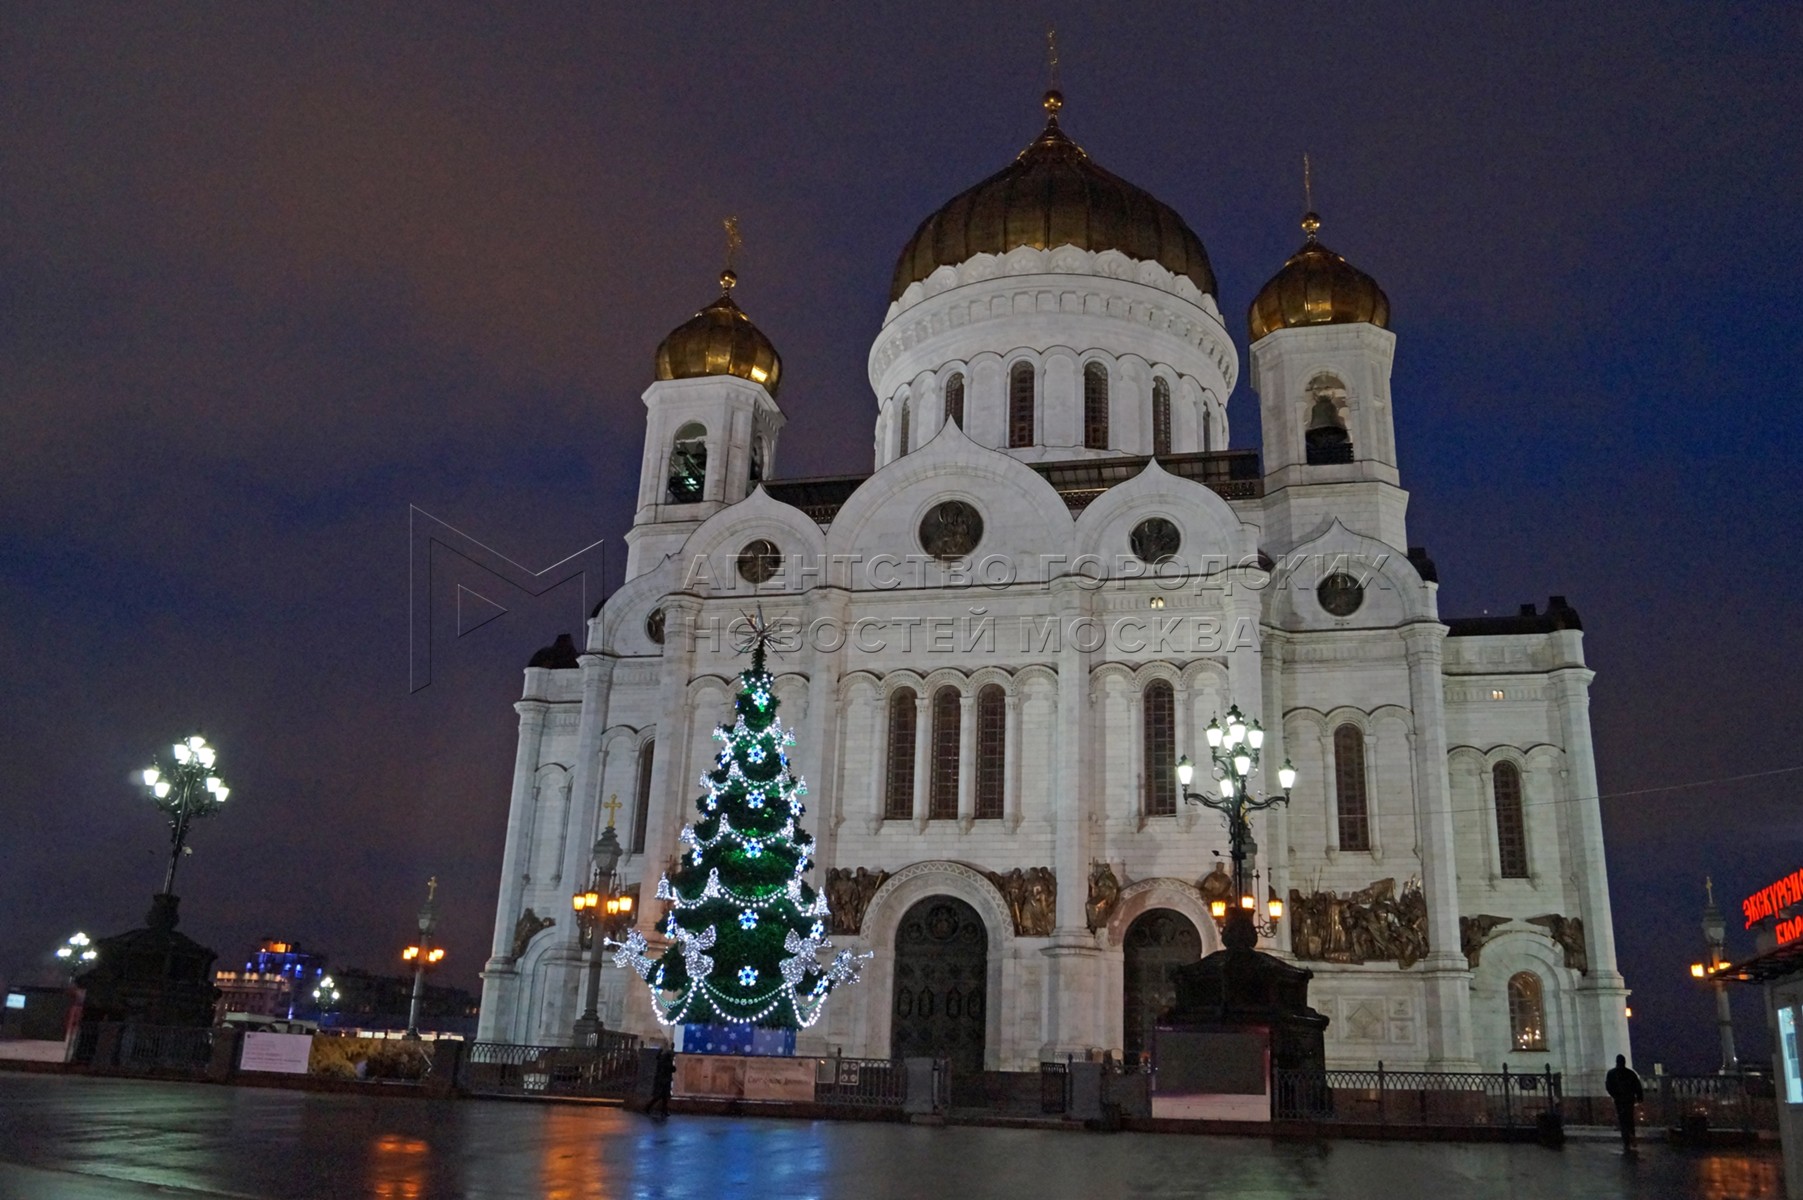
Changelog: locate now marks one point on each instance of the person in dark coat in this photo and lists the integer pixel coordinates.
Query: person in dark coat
(661, 1081)
(1623, 1086)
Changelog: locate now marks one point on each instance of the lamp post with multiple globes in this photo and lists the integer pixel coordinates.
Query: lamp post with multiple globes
(186, 790)
(325, 996)
(422, 954)
(77, 954)
(605, 907)
(1233, 751)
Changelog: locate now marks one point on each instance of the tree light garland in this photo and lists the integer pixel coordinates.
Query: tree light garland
(739, 911)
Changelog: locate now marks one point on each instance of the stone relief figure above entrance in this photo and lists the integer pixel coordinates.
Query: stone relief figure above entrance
(1373, 924)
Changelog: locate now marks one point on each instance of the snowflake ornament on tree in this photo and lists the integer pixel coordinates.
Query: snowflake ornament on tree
(746, 932)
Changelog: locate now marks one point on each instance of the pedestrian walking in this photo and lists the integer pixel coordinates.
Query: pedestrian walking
(661, 1080)
(1623, 1086)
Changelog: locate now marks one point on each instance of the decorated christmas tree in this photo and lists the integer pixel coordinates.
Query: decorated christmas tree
(745, 930)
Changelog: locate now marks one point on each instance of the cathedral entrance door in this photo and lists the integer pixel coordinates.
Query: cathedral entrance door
(1158, 940)
(941, 984)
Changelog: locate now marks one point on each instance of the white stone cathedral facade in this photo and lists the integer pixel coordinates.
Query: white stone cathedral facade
(1007, 632)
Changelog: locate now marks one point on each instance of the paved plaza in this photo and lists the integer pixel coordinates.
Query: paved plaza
(77, 1138)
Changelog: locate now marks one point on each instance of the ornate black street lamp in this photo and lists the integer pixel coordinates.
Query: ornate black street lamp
(186, 789)
(605, 907)
(1234, 751)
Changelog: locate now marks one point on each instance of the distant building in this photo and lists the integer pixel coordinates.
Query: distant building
(258, 993)
(277, 981)
(285, 958)
(371, 1001)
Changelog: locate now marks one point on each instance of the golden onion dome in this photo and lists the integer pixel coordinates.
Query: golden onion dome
(1051, 195)
(720, 340)
(1317, 287)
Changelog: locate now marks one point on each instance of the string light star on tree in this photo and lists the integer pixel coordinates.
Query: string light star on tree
(746, 931)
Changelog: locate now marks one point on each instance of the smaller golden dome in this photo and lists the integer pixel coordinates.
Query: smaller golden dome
(1317, 287)
(720, 340)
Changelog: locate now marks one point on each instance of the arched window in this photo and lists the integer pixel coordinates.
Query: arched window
(1095, 406)
(1325, 438)
(641, 803)
(1527, 1012)
(954, 400)
(757, 460)
(898, 792)
(688, 464)
(992, 751)
(1208, 429)
(942, 784)
(1020, 404)
(1161, 416)
(904, 428)
(1349, 783)
(1158, 709)
(1511, 828)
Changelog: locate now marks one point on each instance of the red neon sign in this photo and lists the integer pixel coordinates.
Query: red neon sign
(1790, 930)
(1772, 899)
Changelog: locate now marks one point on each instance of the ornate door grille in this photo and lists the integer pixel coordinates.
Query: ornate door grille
(1158, 940)
(941, 982)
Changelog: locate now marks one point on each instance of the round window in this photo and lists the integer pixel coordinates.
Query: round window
(654, 626)
(1155, 540)
(1340, 594)
(759, 560)
(951, 529)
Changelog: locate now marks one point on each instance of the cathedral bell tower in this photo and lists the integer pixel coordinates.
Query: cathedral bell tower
(711, 423)
(1321, 358)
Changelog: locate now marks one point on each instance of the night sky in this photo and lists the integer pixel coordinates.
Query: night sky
(267, 280)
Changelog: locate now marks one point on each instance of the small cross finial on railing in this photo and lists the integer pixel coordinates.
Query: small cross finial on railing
(431, 888)
(612, 806)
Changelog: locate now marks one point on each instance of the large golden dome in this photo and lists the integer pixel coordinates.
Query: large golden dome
(720, 340)
(1052, 194)
(1317, 287)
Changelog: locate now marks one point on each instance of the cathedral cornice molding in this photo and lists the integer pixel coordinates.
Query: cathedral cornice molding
(1106, 286)
(1062, 260)
(1515, 690)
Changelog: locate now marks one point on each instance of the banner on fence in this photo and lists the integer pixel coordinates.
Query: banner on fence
(281, 1053)
(710, 1076)
(780, 1079)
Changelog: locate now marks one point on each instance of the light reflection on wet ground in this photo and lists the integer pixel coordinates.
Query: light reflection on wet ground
(71, 1138)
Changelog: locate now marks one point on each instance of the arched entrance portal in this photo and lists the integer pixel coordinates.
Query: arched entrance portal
(1158, 940)
(941, 981)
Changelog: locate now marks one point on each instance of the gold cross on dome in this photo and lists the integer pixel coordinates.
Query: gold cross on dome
(612, 806)
(733, 240)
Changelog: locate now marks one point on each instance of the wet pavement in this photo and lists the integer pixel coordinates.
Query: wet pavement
(77, 1138)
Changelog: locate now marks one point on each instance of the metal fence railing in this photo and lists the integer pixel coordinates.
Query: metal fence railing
(87, 1039)
(167, 1047)
(861, 1082)
(609, 1068)
(1686, 1102)
(1384, 1097)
